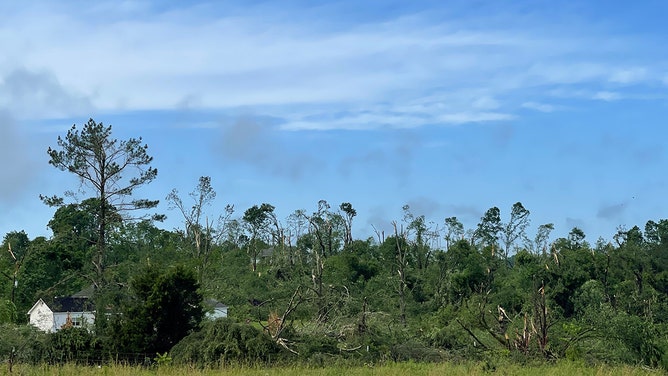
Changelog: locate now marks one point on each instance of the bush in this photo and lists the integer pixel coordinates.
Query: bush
(22, 343)
(225, 341)
(72, 345)
(7, 311)
(313, 347)
(449, 337)
(413, 350)
(164, 307)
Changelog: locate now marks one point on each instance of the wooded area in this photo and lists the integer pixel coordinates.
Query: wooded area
(304, 289)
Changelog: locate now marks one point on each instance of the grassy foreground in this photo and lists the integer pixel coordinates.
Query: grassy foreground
(412, 369)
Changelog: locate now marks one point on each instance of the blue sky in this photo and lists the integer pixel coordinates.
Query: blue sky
(451, 107)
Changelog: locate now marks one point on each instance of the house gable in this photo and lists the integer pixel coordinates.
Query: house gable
(41, 316)
(74, 309)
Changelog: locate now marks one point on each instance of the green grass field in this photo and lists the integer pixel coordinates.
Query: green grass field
(412, 369)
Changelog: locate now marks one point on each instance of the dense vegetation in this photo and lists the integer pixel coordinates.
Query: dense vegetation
(564, 368)
(304, 290)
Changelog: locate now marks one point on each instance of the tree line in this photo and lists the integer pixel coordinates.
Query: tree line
(304, 289)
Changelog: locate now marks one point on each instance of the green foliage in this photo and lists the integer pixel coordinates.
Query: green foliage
(336, 299)
(162, 359)
(489, 227)
(21, 344)
(414, 350)
(111, 170)
(72, 345)
(449, 337)
(8, 312)
(465, 271)
(491, 366)
(575, 267)
(164, 307)
(315, 348)
(14, 250)
(54, 268)
(224, 341)
(349, 269)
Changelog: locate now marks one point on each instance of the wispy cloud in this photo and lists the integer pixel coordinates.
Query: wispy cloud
(251, 141)
(360, 121)
(629, 76)
(611, 212)
(27, 92)
(607, 96)
(542, 107)
(404, 70)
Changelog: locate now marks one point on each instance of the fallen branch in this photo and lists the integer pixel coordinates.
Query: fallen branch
(283, 342)
(471, 334)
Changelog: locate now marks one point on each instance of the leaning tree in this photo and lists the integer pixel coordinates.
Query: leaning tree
(109, 170)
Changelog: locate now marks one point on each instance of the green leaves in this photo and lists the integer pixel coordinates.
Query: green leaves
(165, 306)
(52, 200)
(110, 169)
(489, 227)
(100, 161)
(224, 341)
(72, 344)
(8, 312)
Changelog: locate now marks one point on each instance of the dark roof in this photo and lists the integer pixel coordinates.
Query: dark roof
(72, 304)
(213, 303)
(87, 292)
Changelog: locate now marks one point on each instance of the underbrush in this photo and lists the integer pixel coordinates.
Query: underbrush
(391, 369)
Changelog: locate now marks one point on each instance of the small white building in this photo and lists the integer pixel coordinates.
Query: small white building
(75, 311)
(214, 309)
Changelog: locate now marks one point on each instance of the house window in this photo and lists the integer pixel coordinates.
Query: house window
(77, 321)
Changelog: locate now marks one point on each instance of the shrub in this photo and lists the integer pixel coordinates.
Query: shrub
(225, 341)
(313, 346)
(163, 308)
(413, 350)
(72, 345)
(21, 343)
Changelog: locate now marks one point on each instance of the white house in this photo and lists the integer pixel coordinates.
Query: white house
(74, 310)
(78, 311)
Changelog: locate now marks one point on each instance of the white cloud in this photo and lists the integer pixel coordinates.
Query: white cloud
(398, 121)
(26, 93)
(479, 117)
(563, 72)
(628, 76)
(542, 107)
(485, 103)
(405, 71)
(607, 96)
